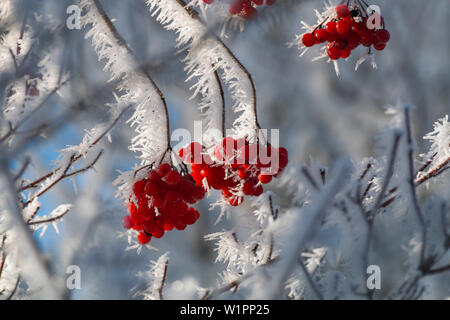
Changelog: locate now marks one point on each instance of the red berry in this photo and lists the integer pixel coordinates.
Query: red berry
(258, 191)
(353, 40)
(342, 11)
(132, 207)
(321, 35)
(237, 6)
(334, 52)
(192, 153)
(258, 2)
(159, 201)
(138, 188)
(235, 201)
(143, 238)
(264, 178)
(172, 196)
(168, 226)
(158, 231)
(249, 187)
(180, 226)
(198, 193)
(331, 27)
(382, 36)
(163, 169)
(379, 46)
(208, 1)
(283, 152)
(229, 146)
(359, 26)
(343, 27)
(226, 193)
(151, 188)
(198, 177)
(366, 38)
(346, 53)
(154, 176)
(173, 178)
(127, 222)
(308, 40)
(242, 173)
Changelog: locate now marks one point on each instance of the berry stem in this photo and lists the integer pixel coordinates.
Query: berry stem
(320, 24)
(222, 95)
(163, 281)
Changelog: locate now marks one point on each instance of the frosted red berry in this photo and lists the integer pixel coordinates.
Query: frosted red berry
(331, 27)
(163, 169)
(333, 50)
(343, 27)
(382, 36)
(160, 203)
(321, 35)
(144, 238)
(308, 40)
(127, 222)
(345, 31)
(172, 178)
(379, 46)
(342, 11)
(237, 6)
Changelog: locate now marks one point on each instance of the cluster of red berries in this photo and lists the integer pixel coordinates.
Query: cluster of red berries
(345, 33)
(236, 167)
(161, 203)
(245, 8)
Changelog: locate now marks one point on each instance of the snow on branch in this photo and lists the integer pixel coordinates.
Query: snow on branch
(150, 117)
(309, 221)
(205, 54)
(156, 278)
(27, 92)
(18, 231)
(439, 154)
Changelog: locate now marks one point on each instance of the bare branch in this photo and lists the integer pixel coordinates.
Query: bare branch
(163, 281)
(310, 280)
(388, 174)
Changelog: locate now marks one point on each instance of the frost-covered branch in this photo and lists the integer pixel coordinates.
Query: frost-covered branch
(203, 50)
(25, 239)
(310, 220)
(156, 278)
(137, 86)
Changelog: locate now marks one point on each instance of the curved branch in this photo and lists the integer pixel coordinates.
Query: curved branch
(193, 14)
(121, 42)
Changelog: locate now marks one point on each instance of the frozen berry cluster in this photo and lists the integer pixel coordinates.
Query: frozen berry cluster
(236, 167)
(161, 203)
(345, 32)
(245, 8)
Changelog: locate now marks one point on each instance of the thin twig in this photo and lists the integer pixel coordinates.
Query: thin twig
(163, 281)
(121, 42)
(388, 174)
(48, 220)
(311, 281)
(412, 185)
(77, 157)
(14, 290)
